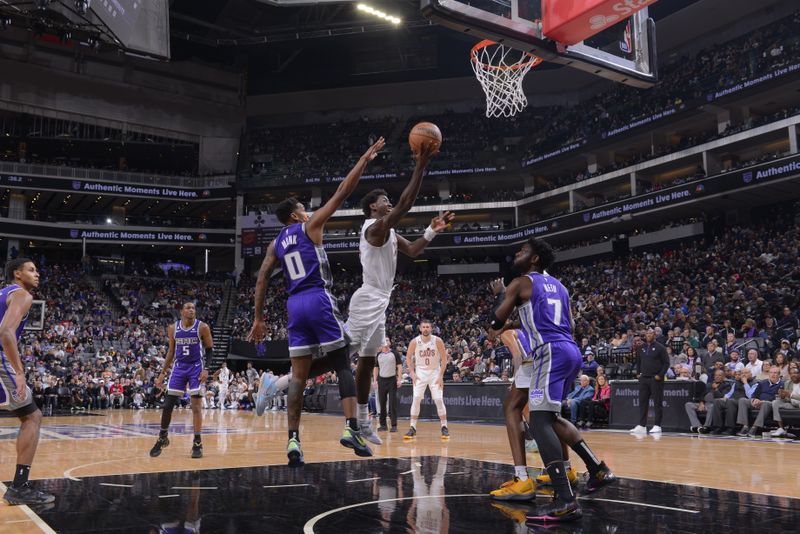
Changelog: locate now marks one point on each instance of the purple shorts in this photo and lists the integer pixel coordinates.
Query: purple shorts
(315, 325)
(185, 375)
(555, 367)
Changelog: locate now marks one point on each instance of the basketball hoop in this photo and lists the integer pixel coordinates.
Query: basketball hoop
(500, 71)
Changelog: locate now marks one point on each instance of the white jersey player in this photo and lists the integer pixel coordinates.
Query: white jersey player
(224, 376)
(379, 245)
(426, 360)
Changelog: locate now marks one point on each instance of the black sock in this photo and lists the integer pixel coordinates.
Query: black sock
(197, 438)
(558, 476)
(294, 434)
(352, 424)
(163, 433)
(588, 457)
(21, 475)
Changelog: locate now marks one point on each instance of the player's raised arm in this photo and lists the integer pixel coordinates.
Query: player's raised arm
(259, 330)
(317, 221)
(438, 225)
(378, 232)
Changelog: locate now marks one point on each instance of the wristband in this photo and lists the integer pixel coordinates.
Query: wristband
(429, 234)
(496, 324)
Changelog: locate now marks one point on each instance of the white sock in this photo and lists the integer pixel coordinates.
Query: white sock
(521, 472)
(282, 383)
(363, 413)
(413, 423)
(444, 423)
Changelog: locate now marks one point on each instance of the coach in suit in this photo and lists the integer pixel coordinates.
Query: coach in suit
(652, 363)
(388, 374)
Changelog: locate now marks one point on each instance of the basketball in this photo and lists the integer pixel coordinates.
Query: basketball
(424, 132)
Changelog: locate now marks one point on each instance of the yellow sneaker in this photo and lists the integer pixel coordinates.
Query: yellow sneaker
(544, 478)
(517, 512)
(515, 490)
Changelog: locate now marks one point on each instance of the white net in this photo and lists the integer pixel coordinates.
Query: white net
(500, 71)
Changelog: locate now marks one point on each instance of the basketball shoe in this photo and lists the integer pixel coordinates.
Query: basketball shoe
(515, 490)
(544, 478)
(295, 453)
(353, 440)
(411, 434)
(161, 443)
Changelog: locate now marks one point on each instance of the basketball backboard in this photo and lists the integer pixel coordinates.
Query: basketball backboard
(623, 49)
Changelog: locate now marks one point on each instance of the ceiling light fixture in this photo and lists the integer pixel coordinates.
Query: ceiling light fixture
(378, 13)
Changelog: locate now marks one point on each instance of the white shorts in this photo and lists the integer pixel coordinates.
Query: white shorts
(428, 379)
(524, 375)
(366, 325)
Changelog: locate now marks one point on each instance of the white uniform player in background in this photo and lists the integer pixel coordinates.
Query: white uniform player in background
(426, 360)
(428, 513)
(378, 247)
(223, 374)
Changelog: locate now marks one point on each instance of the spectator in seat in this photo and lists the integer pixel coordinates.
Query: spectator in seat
(64, 394)
(753, 363)
(703, 402)
(782, 364)
(457, 377)
(788, 399)
(589, 366)
(116, 396)
(728, 405)
(730, 344)
(765, 392)
(733, 361)
(714, 355)
(582, 392)
(599, 404)
(766, 365)
(786, 349)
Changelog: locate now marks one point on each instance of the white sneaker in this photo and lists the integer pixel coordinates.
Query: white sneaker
(368, 434)
(638, 429)
(655, 430)
(778, 433)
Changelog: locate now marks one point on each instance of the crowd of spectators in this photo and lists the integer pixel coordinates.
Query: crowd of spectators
(473, 141)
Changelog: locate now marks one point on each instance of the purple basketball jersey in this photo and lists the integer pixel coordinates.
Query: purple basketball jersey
(4, 293)
(188, 349)
(546, 317)
(525, 343)
(305, 265)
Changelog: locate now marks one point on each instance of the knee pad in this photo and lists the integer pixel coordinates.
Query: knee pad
(341, 364)
(170, 402)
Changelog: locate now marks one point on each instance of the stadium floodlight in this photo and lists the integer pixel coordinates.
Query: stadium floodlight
(4, 23)
(378, 13)
(42, 4)
(108, 220)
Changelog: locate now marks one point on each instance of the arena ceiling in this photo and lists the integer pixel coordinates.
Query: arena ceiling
(327, 44)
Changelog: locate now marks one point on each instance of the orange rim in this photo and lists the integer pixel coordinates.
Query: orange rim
(532, 62)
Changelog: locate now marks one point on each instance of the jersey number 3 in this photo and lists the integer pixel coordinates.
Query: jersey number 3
(556, 311)
(294, 266)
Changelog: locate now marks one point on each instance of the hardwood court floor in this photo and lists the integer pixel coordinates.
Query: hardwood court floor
(117, 443)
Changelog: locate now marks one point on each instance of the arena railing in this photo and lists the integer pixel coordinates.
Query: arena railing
(104, 175)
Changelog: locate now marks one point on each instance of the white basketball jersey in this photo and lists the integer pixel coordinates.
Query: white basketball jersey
(378, 264)
(426, 357)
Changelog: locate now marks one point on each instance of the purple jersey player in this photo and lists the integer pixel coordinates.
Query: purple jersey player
(314, 325)
(544, 311)
(190, 343)
(15, 395)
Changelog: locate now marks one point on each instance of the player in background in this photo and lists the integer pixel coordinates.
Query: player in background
(190, 349)
(15, 395)
(314, 322)
(426, 360)
(543, 305)
(378, 247)
(223, 376)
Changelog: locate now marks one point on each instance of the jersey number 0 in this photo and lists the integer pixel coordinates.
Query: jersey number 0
(294, 265)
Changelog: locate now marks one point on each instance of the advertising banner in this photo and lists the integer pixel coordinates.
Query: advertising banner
(625, 405)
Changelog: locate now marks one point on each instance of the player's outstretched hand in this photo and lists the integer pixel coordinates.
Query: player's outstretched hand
(426, 152)
(497, 286)
(440, 223)
(372, 151)
(258, 333)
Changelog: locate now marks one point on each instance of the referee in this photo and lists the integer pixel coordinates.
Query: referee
(388, 374)
(652, 363)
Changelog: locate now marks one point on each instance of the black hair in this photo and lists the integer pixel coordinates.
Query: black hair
(371, 198)
(545, 252)
(185, 302)
(15, 265)
(285, 209)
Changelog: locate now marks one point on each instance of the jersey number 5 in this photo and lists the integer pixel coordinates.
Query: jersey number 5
(294, 266)
(556, 311)
(185, 350)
